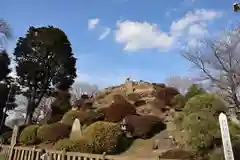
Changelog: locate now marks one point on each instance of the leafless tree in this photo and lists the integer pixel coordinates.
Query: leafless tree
(179, 82)
(218, 62)
(80, 88)
(5, 32)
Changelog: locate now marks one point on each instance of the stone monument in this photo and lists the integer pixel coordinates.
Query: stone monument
(226, 140)
(76, 129)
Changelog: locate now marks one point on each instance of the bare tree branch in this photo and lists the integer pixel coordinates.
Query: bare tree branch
(5, 32)
(219, 61)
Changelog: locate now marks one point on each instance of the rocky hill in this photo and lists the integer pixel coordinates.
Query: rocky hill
(147, 98)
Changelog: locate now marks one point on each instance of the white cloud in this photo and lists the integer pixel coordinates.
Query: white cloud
(193, 17)
(105, 33)
(136, 35)
(197, 30)
(92, 23)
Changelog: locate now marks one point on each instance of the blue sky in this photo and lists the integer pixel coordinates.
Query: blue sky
(115, 39)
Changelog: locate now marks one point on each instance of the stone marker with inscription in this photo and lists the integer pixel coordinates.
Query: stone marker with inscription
(226, 140)
(76, 129)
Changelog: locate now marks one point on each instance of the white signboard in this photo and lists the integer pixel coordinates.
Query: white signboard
(227, 146)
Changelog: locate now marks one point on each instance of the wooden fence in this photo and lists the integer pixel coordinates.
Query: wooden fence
(27, 153)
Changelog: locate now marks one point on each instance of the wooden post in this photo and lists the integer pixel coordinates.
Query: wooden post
(104, 155)
(32, 154)
(11, 153)
(13, 141)
(14, 135)
(63, 155)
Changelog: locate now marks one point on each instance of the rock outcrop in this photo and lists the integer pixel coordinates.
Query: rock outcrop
(147, 98)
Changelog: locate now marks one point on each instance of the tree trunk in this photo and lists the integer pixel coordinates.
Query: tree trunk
(29, 118)
(30, 111)
(3, 117)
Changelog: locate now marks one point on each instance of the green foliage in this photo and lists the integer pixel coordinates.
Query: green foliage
(234, 130)
(53, 132)
(5, 81)
(70, 116)
(85, 117)
(5, 138)
(178, 101)
(200, 120)
(106, 136)
(194, 90)
(216, 154)
(3, 156)
(4, 65)
(29, 135)
(205, 103)
(61, 104)
(83, 145)
(44, 60)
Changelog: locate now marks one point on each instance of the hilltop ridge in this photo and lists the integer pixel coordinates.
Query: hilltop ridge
(148, 98)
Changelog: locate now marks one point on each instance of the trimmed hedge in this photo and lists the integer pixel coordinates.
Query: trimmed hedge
(53, 132)
(199, 121)
(29, 135)
(83, 145)
(85, 117)
(70, 116)
(106, 136)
